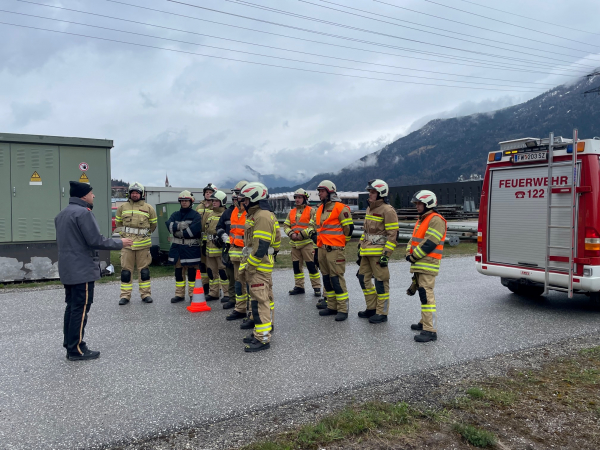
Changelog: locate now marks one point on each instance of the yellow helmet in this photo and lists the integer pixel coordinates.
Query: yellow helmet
(221, 196)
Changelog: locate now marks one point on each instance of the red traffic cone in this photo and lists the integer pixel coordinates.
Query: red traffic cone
(198, 301)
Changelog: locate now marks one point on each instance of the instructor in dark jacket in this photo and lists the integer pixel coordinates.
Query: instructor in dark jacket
(78, 237)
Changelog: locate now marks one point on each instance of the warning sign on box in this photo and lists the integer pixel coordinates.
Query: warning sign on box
(35, 179)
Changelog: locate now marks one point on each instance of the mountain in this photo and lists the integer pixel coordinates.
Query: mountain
(271, 181)
(444, 149)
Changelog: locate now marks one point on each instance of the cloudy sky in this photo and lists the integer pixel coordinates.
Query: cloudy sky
(191, 87)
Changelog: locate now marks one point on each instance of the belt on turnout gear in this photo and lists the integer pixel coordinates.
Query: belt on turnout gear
(247, 251)
(130, 230)
(190, 242)
(377, 239)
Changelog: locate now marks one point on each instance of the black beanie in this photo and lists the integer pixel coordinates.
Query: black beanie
(79, 189)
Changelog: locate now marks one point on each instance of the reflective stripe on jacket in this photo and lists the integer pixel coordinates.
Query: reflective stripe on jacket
(422, 232)
(138, 215)
(299, 226)
(331, 231)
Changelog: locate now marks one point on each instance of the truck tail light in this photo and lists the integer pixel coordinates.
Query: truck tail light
(592, 242)
(479, 238)
(477, 258)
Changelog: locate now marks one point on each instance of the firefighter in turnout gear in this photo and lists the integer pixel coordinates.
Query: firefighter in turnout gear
(334, 229)
(232, 236)
(136, 220)
(214, 263)
(300, 226)
(185, 226)
(262, 242)
(424, 252)
(204, 207)
(374, 250)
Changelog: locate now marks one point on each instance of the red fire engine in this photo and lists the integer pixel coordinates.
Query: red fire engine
(539, 220)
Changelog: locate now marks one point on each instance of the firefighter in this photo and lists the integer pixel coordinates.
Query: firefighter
(424, 252)
(374, 250)
(230, 230)
(214, 263)
(186, 227)
(334, 229)
(136, 220)
(300, 226)
(204, 207)
(262, 241)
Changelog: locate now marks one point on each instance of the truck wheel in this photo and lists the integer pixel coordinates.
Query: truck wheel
(595, 298)
(533, 291)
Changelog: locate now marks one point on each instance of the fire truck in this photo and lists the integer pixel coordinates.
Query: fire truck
(539, 220)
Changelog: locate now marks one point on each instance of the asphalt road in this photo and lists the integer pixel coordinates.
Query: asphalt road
(163, 368)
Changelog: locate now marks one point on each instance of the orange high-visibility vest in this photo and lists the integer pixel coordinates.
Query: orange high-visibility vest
(237, 227)
(304, 222)
(418, 236)
(331, 232)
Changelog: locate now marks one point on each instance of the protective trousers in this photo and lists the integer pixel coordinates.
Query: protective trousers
(79, 298)
(378, 296)
(333, 267)
(216, 272)
(425, 283)
(230, 292)
(306, 255)
(261, 305)
(129, 260)
(241, 292)
(180, 274)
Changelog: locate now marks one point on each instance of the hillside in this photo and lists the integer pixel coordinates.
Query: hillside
(444, 149)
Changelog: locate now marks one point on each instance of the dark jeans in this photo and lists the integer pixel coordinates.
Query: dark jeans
(79, 298)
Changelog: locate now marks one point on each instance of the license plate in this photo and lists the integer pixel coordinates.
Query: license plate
(534, 156)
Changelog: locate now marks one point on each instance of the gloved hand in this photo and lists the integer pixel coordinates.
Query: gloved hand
(410, 258)
(225, 238)
(412, 290)
(225, 255)
(383, 261)
(313, 237)
(275, 255)
(178, 234)
(217, 241)
(182, 226)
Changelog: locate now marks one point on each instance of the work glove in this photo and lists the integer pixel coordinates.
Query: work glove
(225, 255)
(178, 234)
(275, 255)
(225, 238)
(217, 241)
(383, 261)
(182, 226)
(411, 259)
(313, 237)
(412, 290)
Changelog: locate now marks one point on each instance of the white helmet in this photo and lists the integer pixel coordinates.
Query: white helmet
(426, 197)
(255, 192)
(380, 186)
(138, 187)
(303, 193)
(221, 196)
(209, 187)
(186, 195)
(328, 186)
(238, 187)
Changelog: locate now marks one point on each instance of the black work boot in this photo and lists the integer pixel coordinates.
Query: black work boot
(322, 304)
(256, 346)
(416, 326)
(426, 336)
(147, 299)
(123, 301)
(366, 313)
(229, 305)
(317, 292)
(177, 299)
(210, 298)
(247, 324)
(297, 291)
(340, 317)
(235, 315)
(327, 312)
(206, 288)
(248, 339)
(378, 318)
(87, 354)
(225, 299)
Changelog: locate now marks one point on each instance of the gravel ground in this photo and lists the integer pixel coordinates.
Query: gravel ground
(163, 369)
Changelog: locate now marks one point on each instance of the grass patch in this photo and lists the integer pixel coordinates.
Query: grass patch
(475, 436)
(520, 407)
